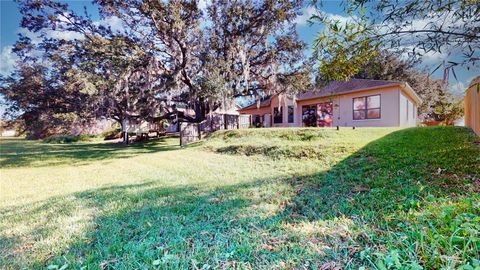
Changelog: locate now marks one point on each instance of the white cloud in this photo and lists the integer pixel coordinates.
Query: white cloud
(307, 13)
(411, 42)
(35, 37)
(434, 20)
(458, 88)
(430, 21)
(341, 19)
(8, 61)
(64, 20)
(65, 35)
(434, 58)
(114, 22)
(431, 59)
(202, 4)
(57, 34)
(305, 16)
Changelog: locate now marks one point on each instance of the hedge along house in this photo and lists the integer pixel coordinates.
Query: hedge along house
(353, 103)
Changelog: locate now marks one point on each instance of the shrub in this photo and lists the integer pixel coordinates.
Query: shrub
(273, 151)
(64, 138)
(112, 134)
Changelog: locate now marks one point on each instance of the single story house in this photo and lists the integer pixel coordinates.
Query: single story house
(353, 103)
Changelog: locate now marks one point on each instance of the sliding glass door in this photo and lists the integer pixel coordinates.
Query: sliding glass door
(318, 115)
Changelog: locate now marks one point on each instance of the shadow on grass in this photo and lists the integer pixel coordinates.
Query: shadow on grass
(376, 201)
(25, 153)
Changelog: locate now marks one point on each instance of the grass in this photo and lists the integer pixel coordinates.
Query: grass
(249, 199)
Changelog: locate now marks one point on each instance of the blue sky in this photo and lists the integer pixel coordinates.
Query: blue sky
(10, 27)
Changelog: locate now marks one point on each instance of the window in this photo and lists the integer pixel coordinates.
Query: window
(366, 107)
(309, 118)
(277, 115)
(325, 114)
(290, 114)
(257, 120)
(318, 115)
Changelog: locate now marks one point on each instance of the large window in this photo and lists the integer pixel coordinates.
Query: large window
(366, 107)
(318, 115)
(277, 115)
(309, 117)
(290, 114)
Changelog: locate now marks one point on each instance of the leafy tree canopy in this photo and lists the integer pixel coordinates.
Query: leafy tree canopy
(413, 27)
(437, 103)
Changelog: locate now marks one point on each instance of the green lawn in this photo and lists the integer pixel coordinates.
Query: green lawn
(269, 198)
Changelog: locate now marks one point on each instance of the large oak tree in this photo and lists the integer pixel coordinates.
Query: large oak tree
(168, 51)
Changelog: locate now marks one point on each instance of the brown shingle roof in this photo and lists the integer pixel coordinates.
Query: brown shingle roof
(338, 87)
(335, 87)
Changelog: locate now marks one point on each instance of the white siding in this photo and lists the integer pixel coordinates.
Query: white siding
(407, 111)
(343, 115)
(393, 106)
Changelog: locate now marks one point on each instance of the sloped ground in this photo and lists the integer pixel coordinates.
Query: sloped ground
(271, 198)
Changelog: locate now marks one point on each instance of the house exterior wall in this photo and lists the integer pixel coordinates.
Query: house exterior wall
(263, 112)
(301, 103)
(403, 109)
(408, 111)
(395, 103)
(284, 102)
(472, 106)
(343, 108)
(389, 109)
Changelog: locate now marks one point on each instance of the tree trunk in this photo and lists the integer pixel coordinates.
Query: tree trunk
(124, 131)
(200, 110)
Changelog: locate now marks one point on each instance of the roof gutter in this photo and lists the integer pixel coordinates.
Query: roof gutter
(247, 108)
(405, 86)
